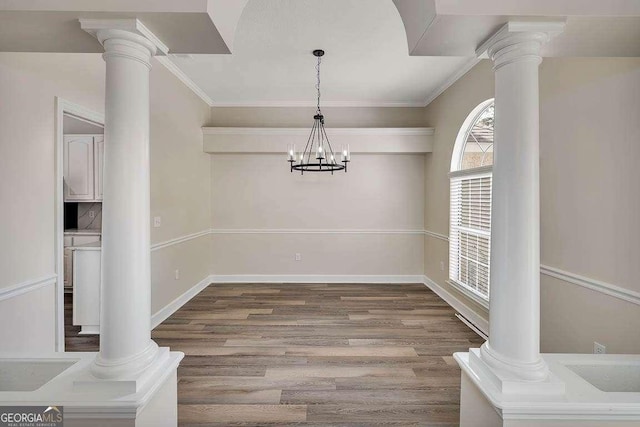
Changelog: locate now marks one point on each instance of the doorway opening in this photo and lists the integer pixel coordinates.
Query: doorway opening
(79, 148)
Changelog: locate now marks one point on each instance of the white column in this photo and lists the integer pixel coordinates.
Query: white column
(514, 338)
(126, 347)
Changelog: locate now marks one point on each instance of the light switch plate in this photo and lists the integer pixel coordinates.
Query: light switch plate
(157, 221)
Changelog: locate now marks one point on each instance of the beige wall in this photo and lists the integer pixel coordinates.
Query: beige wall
(28, 86)
(29, 83)
(589, 197)
(257, 191)
(180, 187)
(303, 117)
(380, 192)
(446, 114)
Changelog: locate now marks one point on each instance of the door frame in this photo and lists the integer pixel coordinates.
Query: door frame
(62, 108)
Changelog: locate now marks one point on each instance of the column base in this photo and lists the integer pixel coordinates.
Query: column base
(131, 380)
(482, 404)
(127, 367)
(534, 379)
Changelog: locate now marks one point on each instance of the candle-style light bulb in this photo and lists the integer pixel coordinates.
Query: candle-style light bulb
(291, 153)
(346, 154)
(320, 154)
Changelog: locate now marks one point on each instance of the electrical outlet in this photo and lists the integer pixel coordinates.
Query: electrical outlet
(298, 257)
(92, 214)
(599, 348)
(441, 265)
(157, 221)
(177, 274)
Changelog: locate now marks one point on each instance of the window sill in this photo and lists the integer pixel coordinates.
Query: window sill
(471, 295)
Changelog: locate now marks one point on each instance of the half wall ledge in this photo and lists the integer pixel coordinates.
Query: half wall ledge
(236, 140)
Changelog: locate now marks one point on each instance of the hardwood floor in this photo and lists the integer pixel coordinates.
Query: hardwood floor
(314, 354)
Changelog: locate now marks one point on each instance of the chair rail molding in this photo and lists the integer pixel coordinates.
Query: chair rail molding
(436, 235)
(178, 240)
(311, 231)
(576, 279)
(593, 284)
(27, 286)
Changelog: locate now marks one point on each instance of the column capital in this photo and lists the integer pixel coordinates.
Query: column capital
(519, 41)
(125, 37)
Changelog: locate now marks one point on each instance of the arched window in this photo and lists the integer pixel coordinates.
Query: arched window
(470, 209)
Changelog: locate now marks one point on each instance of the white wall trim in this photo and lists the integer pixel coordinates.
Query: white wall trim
(576, 279)
(179, 240)
(164, 313)
(311, 231)
(27, 286)
(451, 80)
(176, 71)
(436, 235)
(458, 305)
(593, 284)
(407, 131)
(302, 104)
(313, 278)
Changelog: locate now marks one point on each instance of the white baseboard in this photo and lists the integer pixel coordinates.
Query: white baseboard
(469, 314)
(311, 278)
(164, 313)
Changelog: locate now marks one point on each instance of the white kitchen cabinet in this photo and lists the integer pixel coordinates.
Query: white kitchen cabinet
(86, 289)
(68, 267)
(83, 158)
(98, 156)
(72, 240)
(78, 168)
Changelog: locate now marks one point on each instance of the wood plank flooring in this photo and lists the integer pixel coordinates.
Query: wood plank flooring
(314, 354)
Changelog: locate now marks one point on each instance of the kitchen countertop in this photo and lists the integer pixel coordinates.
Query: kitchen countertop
(93, 246)
(86, 231)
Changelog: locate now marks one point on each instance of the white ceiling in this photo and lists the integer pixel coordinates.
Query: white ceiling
(366, 62)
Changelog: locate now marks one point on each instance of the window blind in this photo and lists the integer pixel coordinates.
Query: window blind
(470, 231)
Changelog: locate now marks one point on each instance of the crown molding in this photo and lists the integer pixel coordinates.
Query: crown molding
(312, 104)
(454, 77)
(176, 71)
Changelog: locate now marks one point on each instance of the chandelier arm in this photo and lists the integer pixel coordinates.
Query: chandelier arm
(326, 137)
(308, 140)
(313, 132)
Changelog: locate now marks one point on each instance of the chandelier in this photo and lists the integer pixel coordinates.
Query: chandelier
(318, 155)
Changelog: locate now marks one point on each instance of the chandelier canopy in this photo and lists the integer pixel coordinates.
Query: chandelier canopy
(318, 155)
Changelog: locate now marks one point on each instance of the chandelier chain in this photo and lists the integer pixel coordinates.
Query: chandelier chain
(318, 83)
